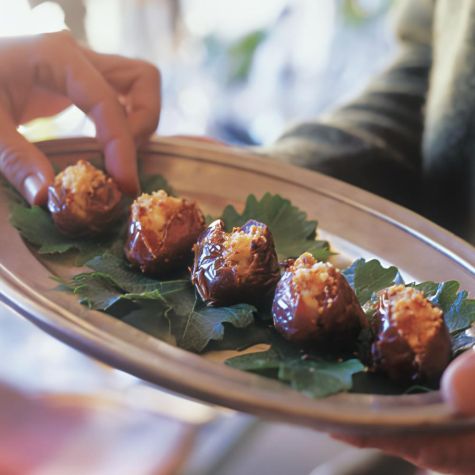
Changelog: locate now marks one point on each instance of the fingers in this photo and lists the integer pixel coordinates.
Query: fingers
(121, 96)
(139, 84)
(90, 92)
(458, 384)
(143, 101)
(43, 103)
(64, 68)
(22, 164)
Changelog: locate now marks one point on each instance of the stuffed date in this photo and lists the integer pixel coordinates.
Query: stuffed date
(412, 341)
(315, 306)
(83, 200)
(161, 233)
(236, 267)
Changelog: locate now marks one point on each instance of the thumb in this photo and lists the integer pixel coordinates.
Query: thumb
(458, 384)
(23, 165)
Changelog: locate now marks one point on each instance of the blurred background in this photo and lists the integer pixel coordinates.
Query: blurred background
(236, 70)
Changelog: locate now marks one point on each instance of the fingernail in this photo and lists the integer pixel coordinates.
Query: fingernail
(33, 186)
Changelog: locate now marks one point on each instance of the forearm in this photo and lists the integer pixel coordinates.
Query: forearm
(374, 141)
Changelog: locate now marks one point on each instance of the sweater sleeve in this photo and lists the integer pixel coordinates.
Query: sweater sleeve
(375, 141)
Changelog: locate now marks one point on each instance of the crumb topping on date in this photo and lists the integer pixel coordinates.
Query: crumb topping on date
(316, 282)
(162, 231)
(81, 178)
(416, 319)
(82, 181)
(154, 210)
(238, 246)
(83, 200)
(236, 267)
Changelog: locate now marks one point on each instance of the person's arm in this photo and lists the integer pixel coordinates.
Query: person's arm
(41, 75)
(375, 141)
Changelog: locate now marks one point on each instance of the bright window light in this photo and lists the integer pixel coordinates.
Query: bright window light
(17, 18)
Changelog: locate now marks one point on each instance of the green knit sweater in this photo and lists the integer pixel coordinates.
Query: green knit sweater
(411, 135)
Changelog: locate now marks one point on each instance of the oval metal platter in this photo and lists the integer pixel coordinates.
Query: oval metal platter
(357, 223)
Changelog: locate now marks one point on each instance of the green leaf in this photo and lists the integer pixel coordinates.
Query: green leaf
(256, 362)
(194, 325)
(366, 382)
(133, 283)
(309, 375)
(443, 294)
(369, 277)
(319, 379)
(293, 233)
(459, 311)
(151, 319)
(316, 378)
(113, 280)
(241, 338)
(461, 314)
(37, 227)
(152, 183)
(95, 290)
(461, 341)
(100, 290)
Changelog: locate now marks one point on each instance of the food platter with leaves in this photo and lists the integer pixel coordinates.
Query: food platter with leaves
(85, 292)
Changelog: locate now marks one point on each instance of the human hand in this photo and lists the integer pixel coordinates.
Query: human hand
(452, 452)
(42, 75)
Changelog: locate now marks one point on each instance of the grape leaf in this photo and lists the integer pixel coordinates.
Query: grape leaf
(133, 282)
(459, 311)
(95, 290)
(152, 183)
(319, 379)
(366, 382)
(462, 340)
(148, 318)
(368, 277)
(461, 314)
(112, 280)
(442, 294)
(192, 324)
(256, 362)
(37, 227)
(293, 233)
(316, 378)
(242, 338)
(100, 292)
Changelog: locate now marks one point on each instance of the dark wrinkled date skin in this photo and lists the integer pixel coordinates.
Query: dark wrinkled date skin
(174, 250)
(101, 210)
(335, 330)
(218, 282)
(391, 353)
